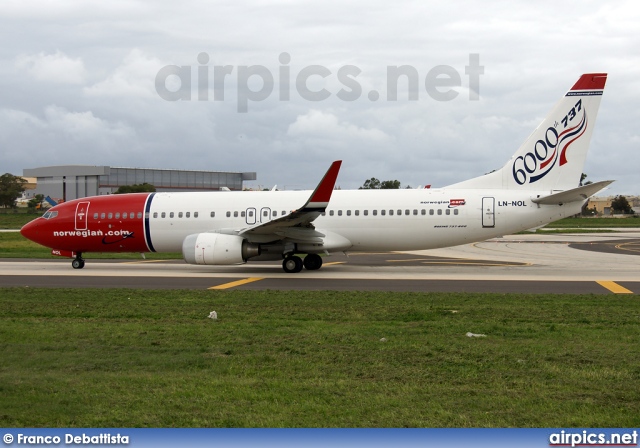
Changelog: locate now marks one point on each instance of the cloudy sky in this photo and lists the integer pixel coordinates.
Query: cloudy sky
(78, 83)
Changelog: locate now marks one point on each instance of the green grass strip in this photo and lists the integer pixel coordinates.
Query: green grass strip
(114, 358)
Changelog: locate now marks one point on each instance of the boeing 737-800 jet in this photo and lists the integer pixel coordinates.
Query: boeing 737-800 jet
(538, 185)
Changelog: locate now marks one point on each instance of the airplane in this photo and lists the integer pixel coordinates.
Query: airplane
(539, 184)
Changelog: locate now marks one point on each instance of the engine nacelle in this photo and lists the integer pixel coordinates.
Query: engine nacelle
(217, 248)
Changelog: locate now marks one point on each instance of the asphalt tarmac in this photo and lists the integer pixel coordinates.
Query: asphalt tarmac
(607, 263)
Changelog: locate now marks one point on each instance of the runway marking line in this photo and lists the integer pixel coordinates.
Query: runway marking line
(333, 263)
(518, 265)
(371, 253)
(145, 261)
(631, 243)
(462, 261)
(613, 287)
(244, 281)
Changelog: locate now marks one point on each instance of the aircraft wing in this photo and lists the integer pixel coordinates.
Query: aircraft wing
(297, 225)
(573, 195)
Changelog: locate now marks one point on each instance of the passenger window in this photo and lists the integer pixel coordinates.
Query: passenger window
(124, 215)
(275, 213)
(265, 213)
(357, 212)
(118, 215)
(213, 214)
(339, 212)
(164, 215)
(284, 212)
(447, 212)
(179, 214)
(423, 212)
(399, 212)
(250, 213)
(95, 215)
(382, 212)
(139, 215)
(155, 214)
(348, 212)
(110, 216)
(390, 212)
(228, 214)
(415, 212)
(171, 215)
(431, 212)
(131, 215)
(407, 212)
(375, 213)
(195, 214)
(331, 213)
(243, 214)
(235, 214)
(366, 212)
(455, 211)
(187, 215)
(439, 211)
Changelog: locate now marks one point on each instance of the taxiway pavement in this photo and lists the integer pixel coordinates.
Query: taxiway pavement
(555, 263)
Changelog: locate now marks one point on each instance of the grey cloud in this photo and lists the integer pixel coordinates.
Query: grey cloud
(532, 53)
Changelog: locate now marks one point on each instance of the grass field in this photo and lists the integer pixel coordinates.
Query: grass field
(592, 223)
(128, 358)
(14, 245)
(14, 220)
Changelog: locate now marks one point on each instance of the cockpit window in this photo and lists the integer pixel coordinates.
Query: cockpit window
(50, 214)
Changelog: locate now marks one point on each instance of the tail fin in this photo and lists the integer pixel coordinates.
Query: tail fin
(553, 156)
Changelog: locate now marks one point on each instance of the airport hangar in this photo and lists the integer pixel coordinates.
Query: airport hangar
(67, 182)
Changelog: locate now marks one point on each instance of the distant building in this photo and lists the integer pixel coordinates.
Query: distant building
(603, 204)
(79, 181)
(29, 187)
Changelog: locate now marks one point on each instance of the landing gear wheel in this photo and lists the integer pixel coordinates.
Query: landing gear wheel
(292, 265)
(77, 263)
(313, 262)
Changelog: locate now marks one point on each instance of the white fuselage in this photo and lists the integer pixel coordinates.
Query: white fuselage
(370, 220)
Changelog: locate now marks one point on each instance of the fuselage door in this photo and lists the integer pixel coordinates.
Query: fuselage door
(82, 215)
(265, 214)
(251, 216)
(488, 212)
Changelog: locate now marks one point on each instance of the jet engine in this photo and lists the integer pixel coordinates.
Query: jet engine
(217, 248)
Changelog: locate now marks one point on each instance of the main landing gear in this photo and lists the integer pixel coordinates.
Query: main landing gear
(292, 264)
(78, 262)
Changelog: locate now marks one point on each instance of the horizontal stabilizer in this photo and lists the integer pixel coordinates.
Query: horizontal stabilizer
(573, 195)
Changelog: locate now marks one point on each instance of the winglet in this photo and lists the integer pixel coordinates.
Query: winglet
(320, 197)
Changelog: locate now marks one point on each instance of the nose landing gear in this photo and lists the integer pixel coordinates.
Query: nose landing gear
(78, 262)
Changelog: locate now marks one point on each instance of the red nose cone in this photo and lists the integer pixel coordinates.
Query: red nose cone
(30, 230)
